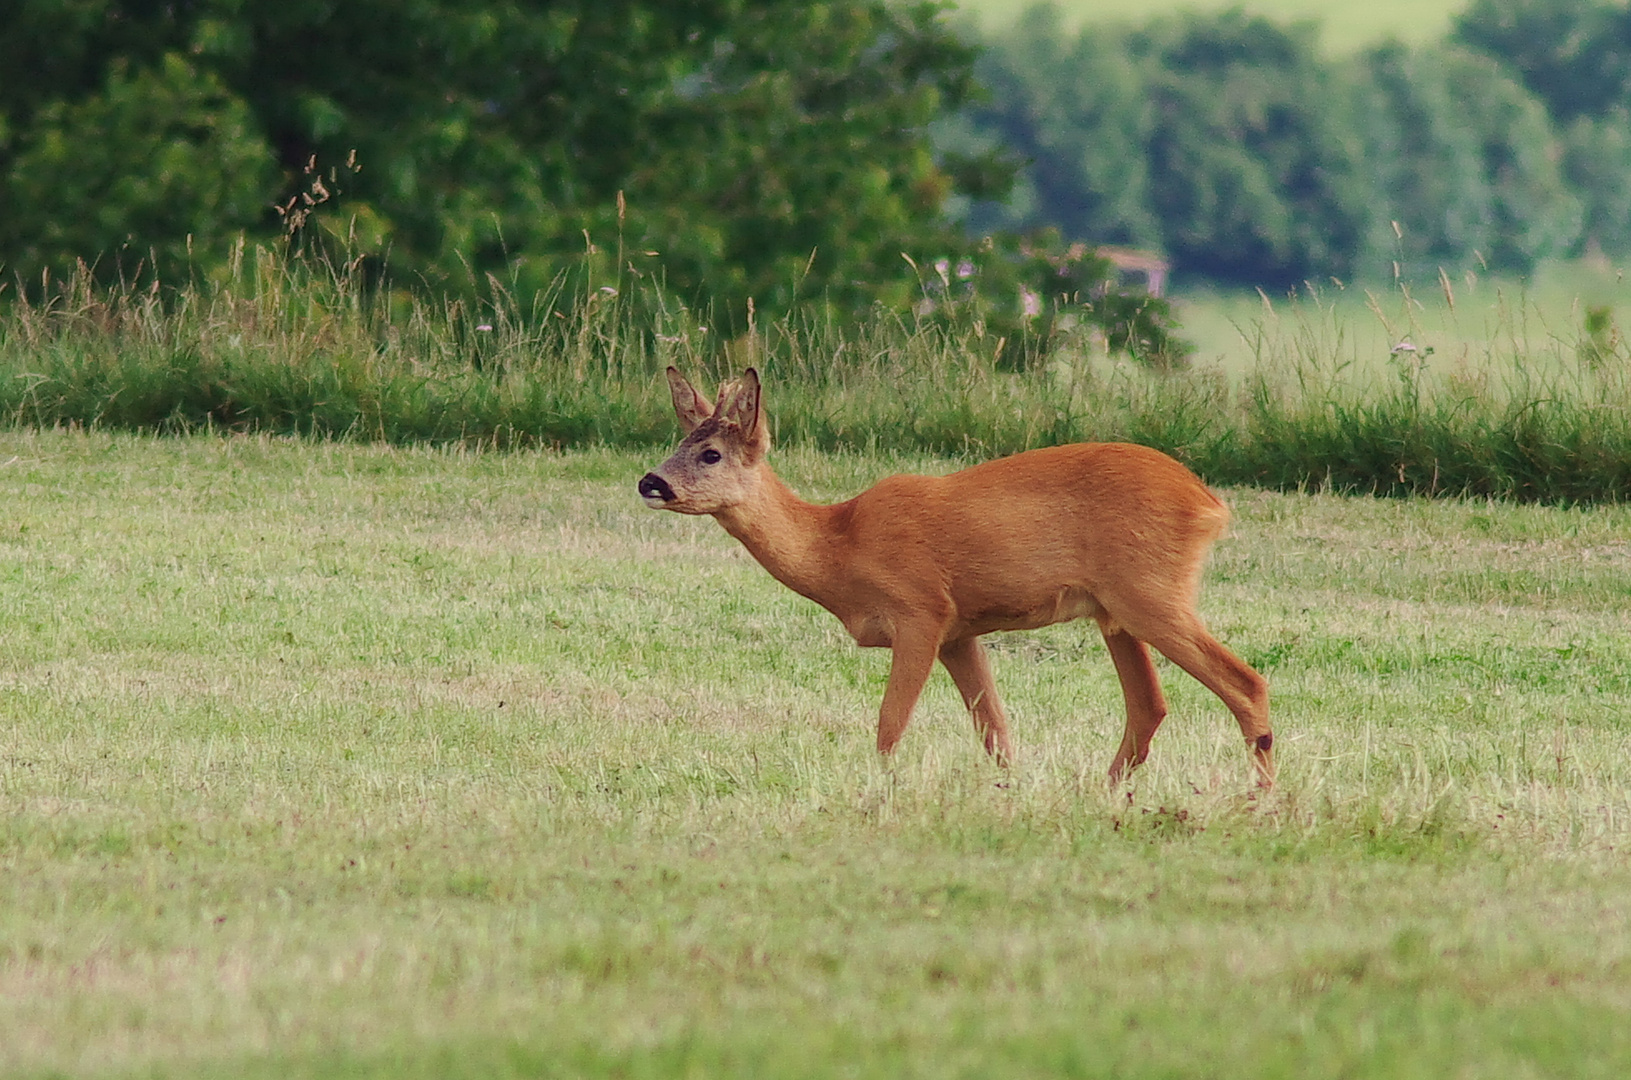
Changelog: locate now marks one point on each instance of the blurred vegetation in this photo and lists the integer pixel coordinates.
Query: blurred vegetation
(747, 149)
(748, 157)
(1574, 56)
(750, 161)
(770, 150)
(1231, 142)
(310, 349)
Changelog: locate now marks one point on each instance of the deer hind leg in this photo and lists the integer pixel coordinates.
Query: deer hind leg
(1146, 705)
(1185, 641)
(970, 669)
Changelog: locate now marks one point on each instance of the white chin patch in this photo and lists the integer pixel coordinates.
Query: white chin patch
(653, 501)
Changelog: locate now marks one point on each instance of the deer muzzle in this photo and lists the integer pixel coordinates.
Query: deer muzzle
(655, 490)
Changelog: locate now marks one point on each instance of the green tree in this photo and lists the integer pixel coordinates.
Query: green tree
(795, 162)
(1463, 164)
(1597, 167)
(1574, 54)
(160, 165)
(1532, 213)
(1223, 139)
(773, 150)
(1072, 108)
(1252, 170)
(1432, 204)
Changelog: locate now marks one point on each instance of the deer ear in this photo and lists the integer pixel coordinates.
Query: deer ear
(743, 409)
(746, 411)
(689, 406)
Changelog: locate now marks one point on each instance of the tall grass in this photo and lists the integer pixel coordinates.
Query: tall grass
(314, 349)
(1517, 410)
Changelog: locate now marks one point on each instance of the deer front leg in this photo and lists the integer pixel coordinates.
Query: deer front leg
(970, 669)
(914, 651)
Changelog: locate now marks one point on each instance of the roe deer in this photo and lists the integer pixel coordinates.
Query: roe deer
(924, 565)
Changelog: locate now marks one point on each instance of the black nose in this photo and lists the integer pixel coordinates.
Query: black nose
(653, 486)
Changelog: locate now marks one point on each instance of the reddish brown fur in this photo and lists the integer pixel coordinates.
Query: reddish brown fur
(925, 565)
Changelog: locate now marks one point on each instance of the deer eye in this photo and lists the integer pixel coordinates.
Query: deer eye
(709, 456)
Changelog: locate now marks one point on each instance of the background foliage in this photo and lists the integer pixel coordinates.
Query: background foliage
(772, 150)
(792, 153)
(1234, 144)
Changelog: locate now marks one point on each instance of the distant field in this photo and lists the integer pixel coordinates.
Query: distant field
(1347, 26)
(1480, 318)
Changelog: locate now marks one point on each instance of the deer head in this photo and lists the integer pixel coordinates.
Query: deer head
(716, 466)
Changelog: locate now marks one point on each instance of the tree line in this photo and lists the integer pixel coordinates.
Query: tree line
(1231, 142)
(849, 154)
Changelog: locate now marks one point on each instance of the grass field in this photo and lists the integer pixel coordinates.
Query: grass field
(343, 760)
(1346, 26)
(1480, 321)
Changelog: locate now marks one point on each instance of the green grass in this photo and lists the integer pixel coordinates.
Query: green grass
(336, 759)
(1347, 27)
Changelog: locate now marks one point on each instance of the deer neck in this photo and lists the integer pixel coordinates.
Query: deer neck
(789, 537)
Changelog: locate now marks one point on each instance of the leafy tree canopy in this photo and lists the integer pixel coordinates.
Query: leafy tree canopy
(1218, 138)
(1073, 108)
(1462, 164)
(773, 150)
(1575, 55)
(1232, 144)
(1251, 172)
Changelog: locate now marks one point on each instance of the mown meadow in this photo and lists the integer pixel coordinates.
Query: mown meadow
(356, 719)
(339, 759)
